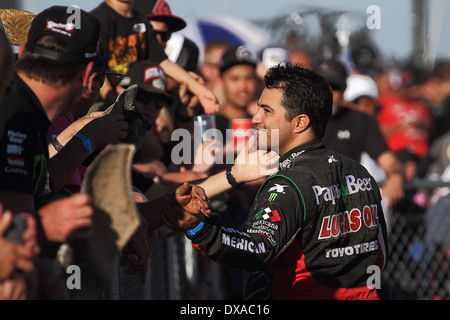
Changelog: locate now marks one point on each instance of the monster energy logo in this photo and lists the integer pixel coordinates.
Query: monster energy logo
(272, 196)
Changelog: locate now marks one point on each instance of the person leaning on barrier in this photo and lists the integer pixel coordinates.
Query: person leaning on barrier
(317, 225)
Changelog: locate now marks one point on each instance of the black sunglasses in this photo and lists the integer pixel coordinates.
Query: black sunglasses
(147, 97)
(165, 35)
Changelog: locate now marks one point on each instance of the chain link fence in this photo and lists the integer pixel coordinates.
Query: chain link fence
(419, 244)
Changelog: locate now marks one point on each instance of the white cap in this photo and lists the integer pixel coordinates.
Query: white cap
(273, 56)
(360, 86)
(174, 46)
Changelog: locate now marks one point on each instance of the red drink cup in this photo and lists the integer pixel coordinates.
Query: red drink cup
(242, 129)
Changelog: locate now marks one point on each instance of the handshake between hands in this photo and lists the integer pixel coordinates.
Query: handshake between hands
(185, 208)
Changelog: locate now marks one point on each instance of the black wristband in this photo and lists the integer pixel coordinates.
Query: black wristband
(57, 145)
(230, 178)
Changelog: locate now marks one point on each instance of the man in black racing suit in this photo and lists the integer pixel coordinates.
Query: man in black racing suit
(316, 229)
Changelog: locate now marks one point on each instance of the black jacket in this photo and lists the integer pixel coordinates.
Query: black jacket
(316, 229)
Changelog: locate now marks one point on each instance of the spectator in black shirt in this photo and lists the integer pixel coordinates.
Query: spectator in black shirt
(354, 133)
(129, 37)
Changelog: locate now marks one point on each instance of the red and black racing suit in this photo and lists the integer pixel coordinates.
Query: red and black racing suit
(316, 229)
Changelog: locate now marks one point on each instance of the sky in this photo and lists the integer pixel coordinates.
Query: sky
(393, 38)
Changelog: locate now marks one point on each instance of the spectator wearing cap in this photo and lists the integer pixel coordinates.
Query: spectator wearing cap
(185, 53)
(164, 23)
(270, 57)
(152, 84)
(358, 135)
(180, 50)
(50, 77)
(336, 75)
(151, 97)
(237, 68)
(362, 94)
(129, 37)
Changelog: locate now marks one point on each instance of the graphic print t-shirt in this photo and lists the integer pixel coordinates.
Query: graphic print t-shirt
(127, 40)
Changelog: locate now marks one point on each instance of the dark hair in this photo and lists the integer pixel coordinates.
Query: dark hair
(49, 71)
(304, 92)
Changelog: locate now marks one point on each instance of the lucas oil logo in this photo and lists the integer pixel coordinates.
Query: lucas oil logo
(350, 221)
(348, 186)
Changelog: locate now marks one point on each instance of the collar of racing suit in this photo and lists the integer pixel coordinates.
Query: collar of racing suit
(288, 159)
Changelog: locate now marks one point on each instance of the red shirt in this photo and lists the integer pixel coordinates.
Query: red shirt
(405, 124)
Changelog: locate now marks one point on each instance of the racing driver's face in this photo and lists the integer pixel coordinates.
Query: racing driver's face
(274, 131)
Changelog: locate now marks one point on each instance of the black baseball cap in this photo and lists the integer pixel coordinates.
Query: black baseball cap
(334, 72)
(236, 55)
(82, 35)
(183, 51)
(149, 77)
